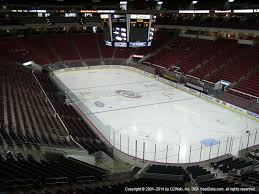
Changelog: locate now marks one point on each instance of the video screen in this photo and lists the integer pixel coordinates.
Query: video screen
(119, 28)
(139, 27)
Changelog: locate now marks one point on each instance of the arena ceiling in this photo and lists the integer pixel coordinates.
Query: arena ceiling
(138, 4)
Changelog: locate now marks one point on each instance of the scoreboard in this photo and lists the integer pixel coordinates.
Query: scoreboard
(128, 30)
(139, 27)
(119, 30)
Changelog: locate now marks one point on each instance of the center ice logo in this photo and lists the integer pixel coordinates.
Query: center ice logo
(99, 104)
(128, 94)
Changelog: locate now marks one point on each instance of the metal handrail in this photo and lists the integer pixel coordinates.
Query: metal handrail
(44, 93)
(237, 91)
(63, 124)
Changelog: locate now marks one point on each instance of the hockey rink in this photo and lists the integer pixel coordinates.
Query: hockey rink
(164, 123)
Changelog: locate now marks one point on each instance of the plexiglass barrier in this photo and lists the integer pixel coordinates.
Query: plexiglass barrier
(173, 153)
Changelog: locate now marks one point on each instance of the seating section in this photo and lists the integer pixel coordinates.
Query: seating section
(251, 178)
(28, 120)
(107, 51)
(26, 116)
(240, 101)
(40, 51)
(230, 164)
(159, 40)
(53, 48)
(139, 183)
(123, 188)
(250, 85)
(172, 170)
(247, 22)
(76, 125)
(216, 62)
(123, 52)
(222, 185)
(187, 54)
(175, 54)
(204, 51)
(16, 49)
(27, 49)
(212, 61)
(254, 108)
(235, 99)
(62, 45)
(22, 173)
(86, 45)
(197, 171)
(162, 60)
(57, 174)
(243, 60)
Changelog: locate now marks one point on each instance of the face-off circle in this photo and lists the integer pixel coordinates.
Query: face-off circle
(128, 94)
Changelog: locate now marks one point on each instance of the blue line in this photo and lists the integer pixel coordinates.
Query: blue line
(91, 98)
(114, 85)
(141, 106)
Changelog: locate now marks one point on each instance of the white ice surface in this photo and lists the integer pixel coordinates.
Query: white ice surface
(161, 115)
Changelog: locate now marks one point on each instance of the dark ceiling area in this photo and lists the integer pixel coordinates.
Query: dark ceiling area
(137, 4)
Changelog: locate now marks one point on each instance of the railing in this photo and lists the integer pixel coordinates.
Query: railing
(49, 181)
(162, 176)
(191, 76)
(173, 153)
(4, 98)
(207, 81)
(244, 94)
(85, 179)
(154, 65)
(55, 112)
(84, 62)
(40, 145)
(44, 93)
